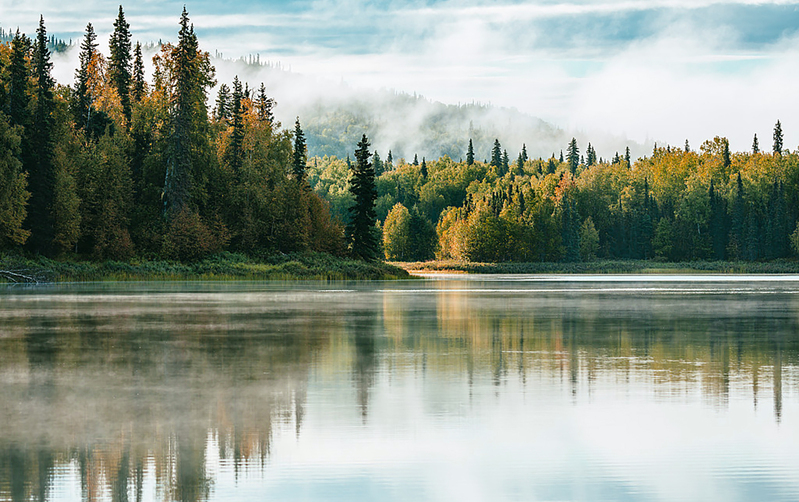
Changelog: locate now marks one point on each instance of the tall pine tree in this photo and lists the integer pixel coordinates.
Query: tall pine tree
(139, 88)
(40, 150)
(119, 65)
(298, 166)
(470, 154)
(573, 154)
(361, 232)
(778, 138)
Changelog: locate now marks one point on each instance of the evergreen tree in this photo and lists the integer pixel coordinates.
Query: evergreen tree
(378, 164)
(470, 154)
(389, 158)
(627, 157)
(496, 156)
(264, 105)
(235, 153)
(361, 228)
(524, 153)
(300, 153)
(223, 103)
(718, 230)
(83, 102)
(18, 80)
(423, 169)
(561, 157)
(191, 77)
(139, 82)
(415, 159)
(573, 154)
(40, 150)
(687, 146)
(591, 155)
(725, 155)
(737, 224)
(505, 162)
(778, 138)
(755, 146)
(520, 164)
(119, 64)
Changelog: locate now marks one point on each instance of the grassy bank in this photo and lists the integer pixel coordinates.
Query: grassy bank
(225, 266)
(607, 267)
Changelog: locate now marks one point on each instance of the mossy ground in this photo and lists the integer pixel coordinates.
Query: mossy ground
(224, 266)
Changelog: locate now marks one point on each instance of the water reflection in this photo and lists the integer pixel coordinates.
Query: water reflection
(204, 391)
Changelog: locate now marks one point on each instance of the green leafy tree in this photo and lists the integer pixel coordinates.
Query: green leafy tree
(589, 240)
(361, 229)
(13, 186)
(397, 234)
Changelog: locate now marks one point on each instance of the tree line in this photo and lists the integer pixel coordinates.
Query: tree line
(117, 165)
(676, 204)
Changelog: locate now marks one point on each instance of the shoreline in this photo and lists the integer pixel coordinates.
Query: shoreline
(600, 267)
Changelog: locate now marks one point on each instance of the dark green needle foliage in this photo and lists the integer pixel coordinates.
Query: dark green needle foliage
(361, 231)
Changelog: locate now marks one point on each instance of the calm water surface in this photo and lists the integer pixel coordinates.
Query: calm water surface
(485, 388)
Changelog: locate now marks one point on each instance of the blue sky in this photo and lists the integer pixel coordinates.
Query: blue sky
(661, 69)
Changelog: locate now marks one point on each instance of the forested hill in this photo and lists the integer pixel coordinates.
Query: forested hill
(335, 115)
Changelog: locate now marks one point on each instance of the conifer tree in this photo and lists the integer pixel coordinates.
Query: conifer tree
(687, 146)
(18, 80)
(300, 153)
(235, 152)
(415, 159)
(470, 154)
(627, 157)
(561, 157)
(361, 233)
(264, 105)
(573, 154)
(755, 145)
(520, 164)
(778, 138)
(505, 162)
(223, 103)
(496, 156)
(119, 64)
(725, 155)
(389, 159)
(82, 102)
(40, 150)
(524, 153)
(423, 170)
(378, 164)
(139, 82)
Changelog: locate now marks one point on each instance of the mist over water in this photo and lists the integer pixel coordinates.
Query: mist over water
(479, 388)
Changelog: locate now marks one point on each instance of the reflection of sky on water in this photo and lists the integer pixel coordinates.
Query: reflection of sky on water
(471, 389)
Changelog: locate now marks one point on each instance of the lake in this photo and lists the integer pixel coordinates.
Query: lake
(478, 388)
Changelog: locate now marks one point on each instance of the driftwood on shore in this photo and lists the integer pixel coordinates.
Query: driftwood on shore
(18, 277)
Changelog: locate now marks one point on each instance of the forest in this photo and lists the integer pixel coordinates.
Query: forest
(119, 166)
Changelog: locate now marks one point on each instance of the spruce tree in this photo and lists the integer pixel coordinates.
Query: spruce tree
(778, 138)
(687, 146)
(235, 151)
(361, 232)
(378, 164)
(300, 153)
(505, 162)
(725, 155)
(18, 80)
(561, 157)
(40, 150)
(264, 105)
(470, 154)
(177, 182)
(415, 159)
(524, 153)
(139, 82)
(82, 103)
(573, 154)
(755, 145)
(496, 156)
(627, 157)
(119, 64)
(223, 103)
(520, 164)
(423, 170)
(389, 159)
